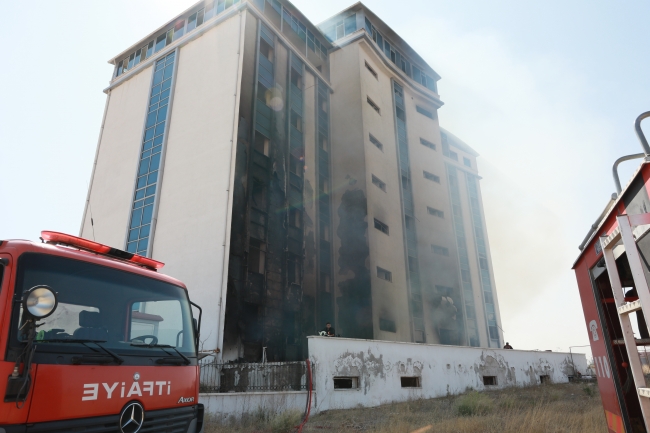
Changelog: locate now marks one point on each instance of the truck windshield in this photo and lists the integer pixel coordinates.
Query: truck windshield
(127, 313)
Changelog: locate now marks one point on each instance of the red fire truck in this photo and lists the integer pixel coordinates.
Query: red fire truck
(94, 339)
(613, 271)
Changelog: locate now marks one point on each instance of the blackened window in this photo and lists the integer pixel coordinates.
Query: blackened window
(256, 256)
(262, 144)
(387, 325)
(489, 380)
(381, 226)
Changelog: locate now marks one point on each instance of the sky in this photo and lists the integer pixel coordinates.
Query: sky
(546, 92)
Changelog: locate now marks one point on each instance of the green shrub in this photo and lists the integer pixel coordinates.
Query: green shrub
(286, 421)
(588, 389)
(474, 403)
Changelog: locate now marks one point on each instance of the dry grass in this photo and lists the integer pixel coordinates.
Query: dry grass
(549, 408)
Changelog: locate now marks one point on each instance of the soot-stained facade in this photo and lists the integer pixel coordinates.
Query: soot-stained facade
(298, 175)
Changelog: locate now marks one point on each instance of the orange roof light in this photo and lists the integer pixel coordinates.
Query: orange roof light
(85, 244)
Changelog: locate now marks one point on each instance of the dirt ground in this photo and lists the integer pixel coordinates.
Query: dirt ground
(574, 408)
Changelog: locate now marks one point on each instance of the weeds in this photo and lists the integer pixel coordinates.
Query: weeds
(556, 408)
(474, 403)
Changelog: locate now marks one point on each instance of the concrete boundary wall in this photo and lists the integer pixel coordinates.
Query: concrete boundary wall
(376, 369)
(223, 407)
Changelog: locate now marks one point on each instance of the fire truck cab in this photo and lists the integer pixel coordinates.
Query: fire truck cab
(94, 339)
(613, 271)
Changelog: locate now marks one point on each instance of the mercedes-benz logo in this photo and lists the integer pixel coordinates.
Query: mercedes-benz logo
(132, 418)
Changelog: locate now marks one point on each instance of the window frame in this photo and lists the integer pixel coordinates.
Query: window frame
(386, 272)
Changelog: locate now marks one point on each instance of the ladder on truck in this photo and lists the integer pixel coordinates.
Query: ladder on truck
(624, 233)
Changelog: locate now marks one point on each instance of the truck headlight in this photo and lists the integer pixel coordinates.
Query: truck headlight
(40, 301)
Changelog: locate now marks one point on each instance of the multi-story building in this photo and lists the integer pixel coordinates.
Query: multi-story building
(293, 176)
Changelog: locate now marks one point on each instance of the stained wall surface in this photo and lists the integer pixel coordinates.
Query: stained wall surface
(378, 367)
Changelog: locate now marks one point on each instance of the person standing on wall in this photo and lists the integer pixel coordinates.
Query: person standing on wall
(507, 346)
(328, 331)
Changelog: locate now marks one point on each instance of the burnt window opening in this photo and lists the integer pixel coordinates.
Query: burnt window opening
(437, 249)
(293, 270)
(324, 231)
(296, 121)
(410, 382)
(384, 274)
(489, 380)
(258, 195)
(261, 144)
(381, 226)
(435, 212)
(373, 105)
(266, 50)
(263, 94)
(296, 78)
(295, 165)
(376, 142)
(431, 176)
(346, 382)
(323, 185)
(295, 219)
(256, 256)
(387, 325)
(372, 71)
(322, 141)
(378, 183)
(545, 379)
(325, 282)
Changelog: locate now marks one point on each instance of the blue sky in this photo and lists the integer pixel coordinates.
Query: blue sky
(546, 92)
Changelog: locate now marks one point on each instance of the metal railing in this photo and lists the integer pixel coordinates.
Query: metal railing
(253, 377)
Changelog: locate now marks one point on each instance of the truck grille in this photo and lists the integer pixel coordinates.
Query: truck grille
(175, 420)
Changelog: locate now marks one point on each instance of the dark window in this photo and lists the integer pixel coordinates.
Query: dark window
(435, 212)
(427, 144)
(346, 382)
(467, 162)
(381, 226)
(258, 194)
(295, 217)
(372, 71)
(488, 298)
(296, 78)
(384, 274)
(325, 282)
(494, 333)
(410, 382)
(376, 142)
(373, 105)
(256, 256)
(266, 50)
(293, 270)
(387, 325)
(424, 112)
(483, 263)
(296, 121)
(262, 144)
(432, 177)
(453, 155)
(489, 380)
(545, 379)
(324, 231)
(437, 249)
(378, 183)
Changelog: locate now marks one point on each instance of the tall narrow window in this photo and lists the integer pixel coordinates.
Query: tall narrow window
(150, 158)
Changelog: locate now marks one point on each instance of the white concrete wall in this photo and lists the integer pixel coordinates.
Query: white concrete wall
(443, 369)
(232, 406)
